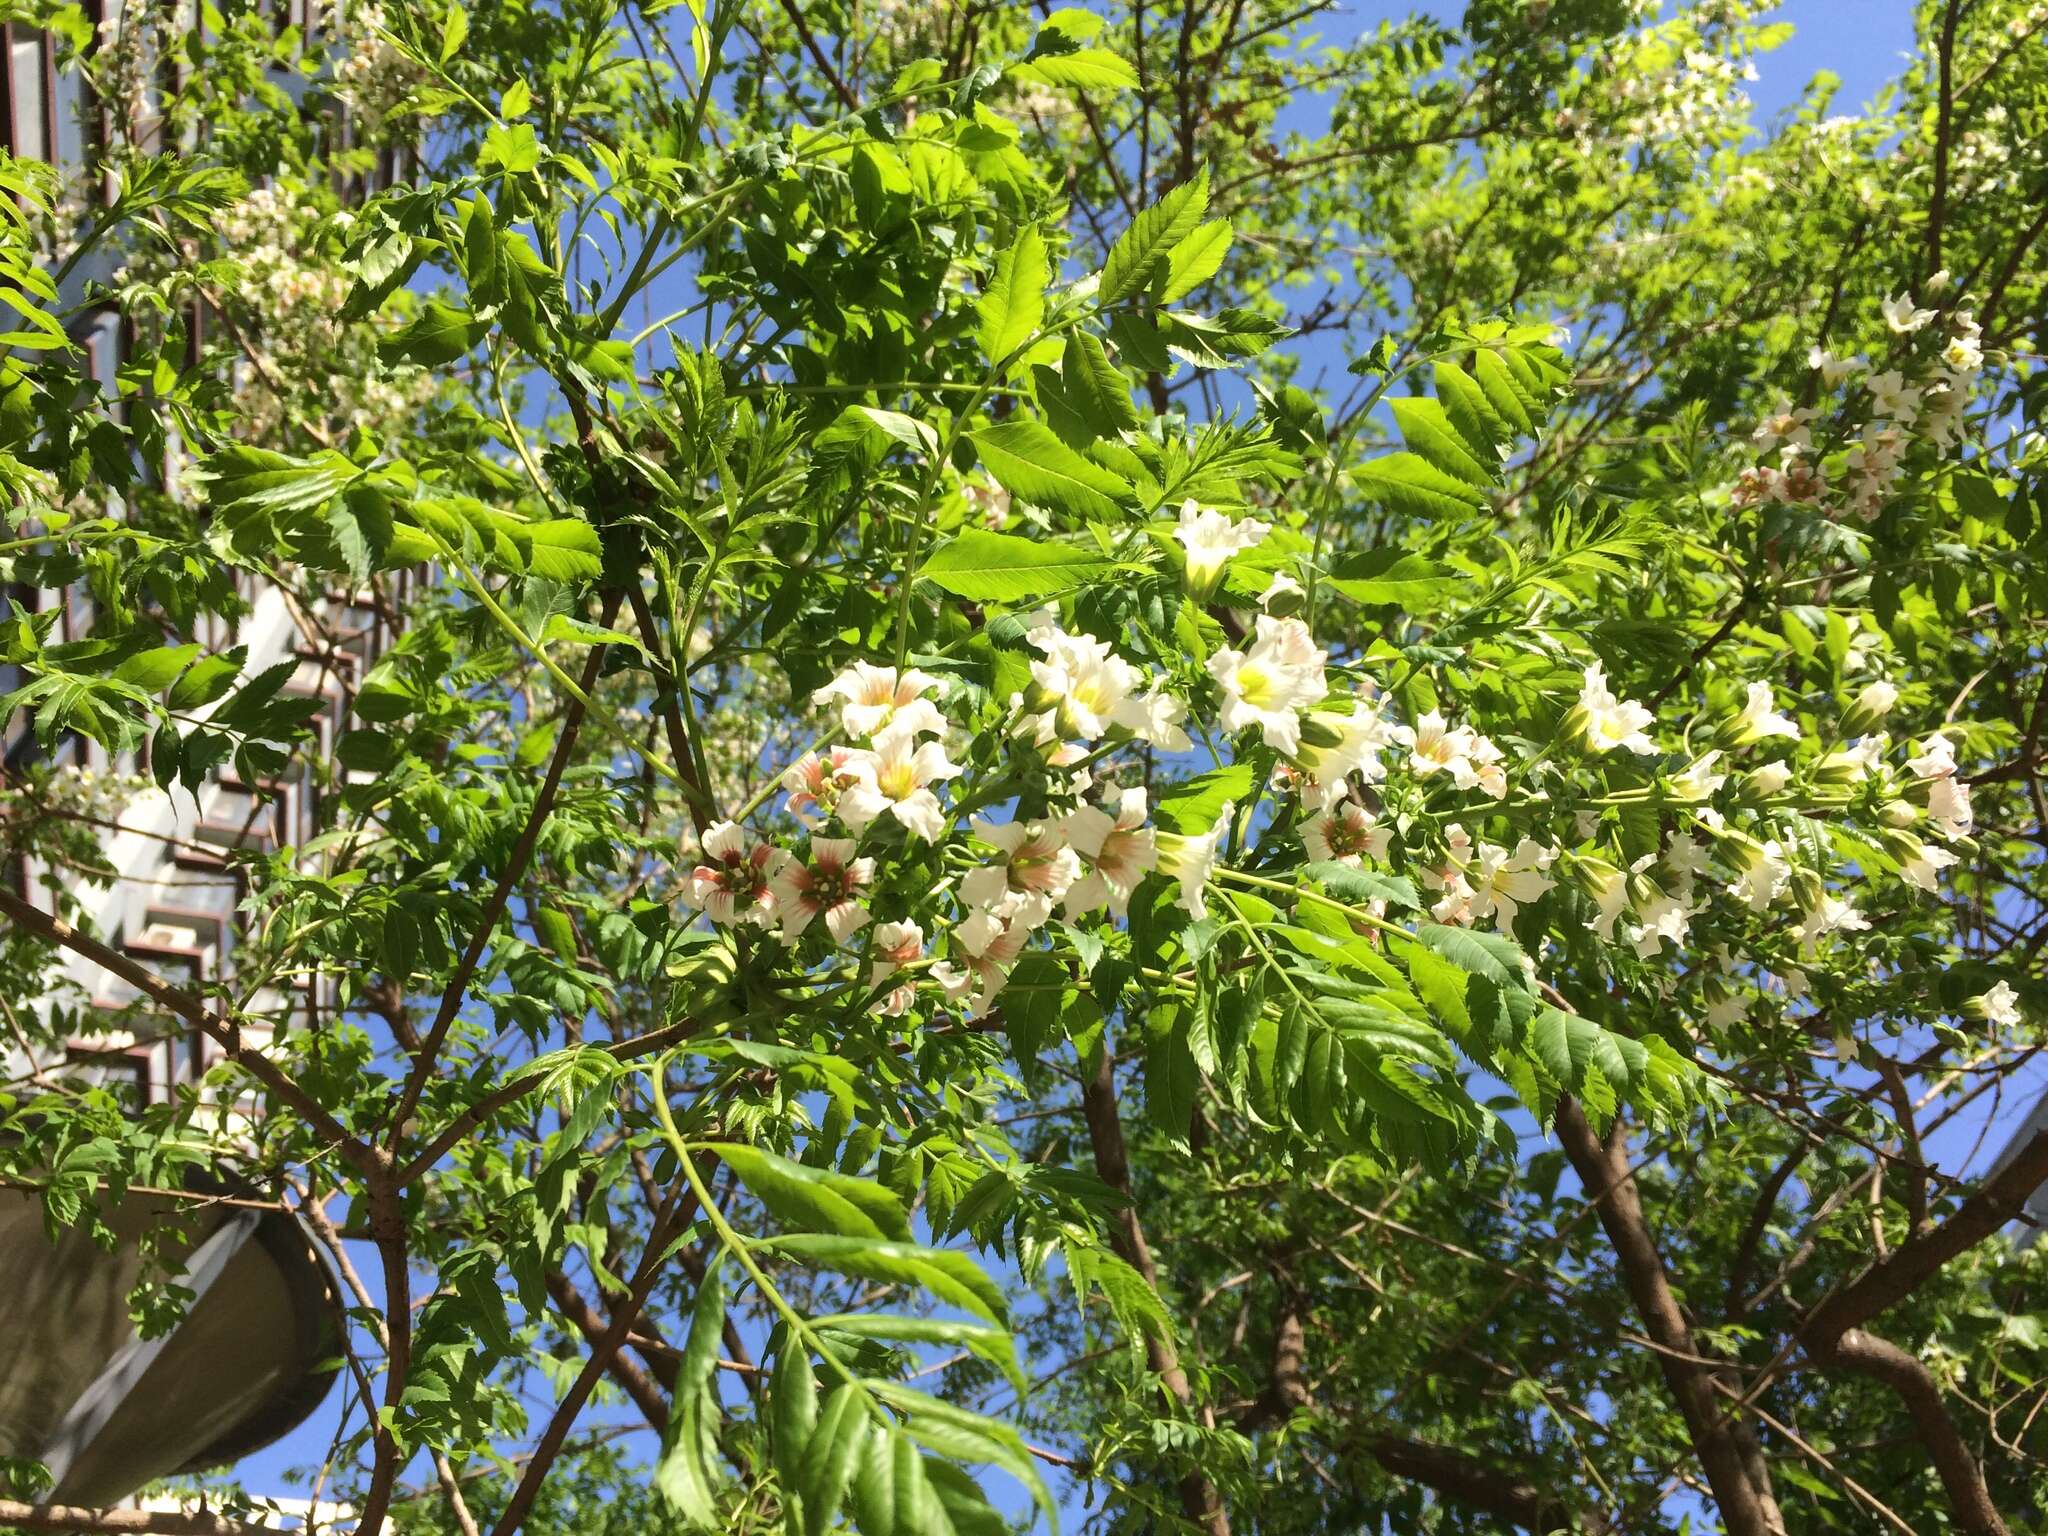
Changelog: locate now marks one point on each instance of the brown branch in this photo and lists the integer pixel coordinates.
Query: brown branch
(522, 852)
(1198, 1496)
(1937, 206)
(1998, 1200)
(1743, 1265)
(1478, 1485)
(676, 1213)
(1884, 1361)
(803, 30)
(133, 1522)
(636, 1383)
(1746, 1503)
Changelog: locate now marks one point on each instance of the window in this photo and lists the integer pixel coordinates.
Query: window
(30, 129)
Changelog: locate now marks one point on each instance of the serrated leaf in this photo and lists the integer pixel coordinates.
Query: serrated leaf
(153, 670)
(1412, 486)
(1083, 69)
(1194, 260)
(1033, 465)
(1014, 304)
(1427, 429)
(1155, 232)
(1193, 806)
(829, 1457)
(1096, 387)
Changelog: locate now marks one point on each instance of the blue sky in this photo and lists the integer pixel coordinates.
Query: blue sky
(1862, 41)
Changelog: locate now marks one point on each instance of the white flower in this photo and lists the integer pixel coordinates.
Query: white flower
(1832, 915)
(1086, 689)
(1502, 882)
(1891, 396)
(1902, 317)
(1759, 718)
(897, 778)
(1283, 594)
(1765, 870)
(1699, 781)
(1469, 758)
(1346, 833)
(1728, 1012)
(1032, 859)
(828, 886)
(1281, 673)
(1189, 859)
(1939, 282)
(1155, 716)
(732, 884)
(1359, 737)
(2001, 1005)
(1964, 354)
(1937, 759)
(1948, 803)
(1877, 698)
(1117, 851)
(1770, 779)
(1210, 539)
(986, 945)
(813, 784)
(1608, 887)
(1663, 919)
(1922, 867)
(1612, 722)
(1832, 369)
(894, 945)
(874, 701)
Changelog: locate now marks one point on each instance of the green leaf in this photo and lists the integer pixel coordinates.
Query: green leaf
(1151, 236)
(565, 549)
(991, 1344)
(1096, 387)
(1363, 885)
(690, 1474)
(556, 931)
(1427, 429)
(1483, 954)
(793, 1407)
(454, 30)
(1193, 806)
(1084, 69)
(1194, 260)
(152, 671)
(1410, 485)
(439, 334)
(208, 680)
(953, 1278)
(1395, 576)
(1033, 465)
(1015, 302)
(830, 1455)
(1005, 567)
(816, 1199)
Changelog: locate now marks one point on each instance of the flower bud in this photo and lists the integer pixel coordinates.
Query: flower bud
(1768, 781)
(1572, 727)
(1807, 890)
(1870, 706)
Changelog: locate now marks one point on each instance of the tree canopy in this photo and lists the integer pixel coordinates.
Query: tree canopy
(1141, 767)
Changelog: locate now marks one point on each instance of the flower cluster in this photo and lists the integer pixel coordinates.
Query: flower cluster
(1859, 463)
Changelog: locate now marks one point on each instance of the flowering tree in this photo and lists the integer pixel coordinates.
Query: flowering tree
(1420, 941)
